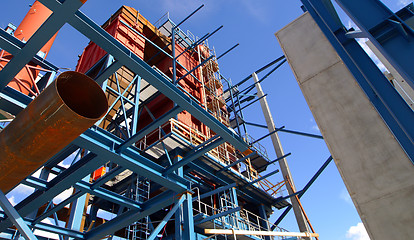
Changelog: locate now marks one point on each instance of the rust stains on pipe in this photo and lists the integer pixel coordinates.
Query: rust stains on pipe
(63, 111)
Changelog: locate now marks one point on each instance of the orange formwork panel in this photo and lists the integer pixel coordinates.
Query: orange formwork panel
(37, 15)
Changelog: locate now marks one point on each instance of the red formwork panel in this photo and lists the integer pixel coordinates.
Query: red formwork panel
(128, 37)
(119, 25)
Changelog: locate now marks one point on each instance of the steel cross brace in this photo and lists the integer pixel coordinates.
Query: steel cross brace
(149, 207)
(390, 105)
(63, 181)
(195, 153)
(16, 218)
(387, 31)
(95, 33)
(167, 217)
(102, 143)
(13, 46)
(60, 16)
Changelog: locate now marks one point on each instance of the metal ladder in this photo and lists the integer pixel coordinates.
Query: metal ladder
(139, 230)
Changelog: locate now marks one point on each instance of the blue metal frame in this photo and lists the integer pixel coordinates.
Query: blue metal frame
(390, 105)
(103, 148)
(387, 31)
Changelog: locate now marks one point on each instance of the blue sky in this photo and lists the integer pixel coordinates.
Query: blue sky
(252, 23)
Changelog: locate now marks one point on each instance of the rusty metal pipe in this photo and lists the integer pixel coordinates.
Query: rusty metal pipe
(63, 111)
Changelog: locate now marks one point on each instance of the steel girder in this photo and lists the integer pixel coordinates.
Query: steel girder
(396, 113)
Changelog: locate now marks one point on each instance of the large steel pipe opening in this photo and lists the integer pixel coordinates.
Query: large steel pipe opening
(63, 111)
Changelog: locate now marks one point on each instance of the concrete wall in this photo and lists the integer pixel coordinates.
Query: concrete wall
(377, 173)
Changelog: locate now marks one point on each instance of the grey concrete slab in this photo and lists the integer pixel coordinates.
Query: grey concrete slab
(376, 171)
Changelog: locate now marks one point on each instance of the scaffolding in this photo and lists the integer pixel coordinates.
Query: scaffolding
(164, 146)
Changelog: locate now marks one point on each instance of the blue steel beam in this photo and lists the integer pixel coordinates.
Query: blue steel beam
(149, 207)
(215, 191)
(261, 178)
(288, 131)
(91, 30)
(59, 230)
(188, 218)
(107, 72)
(56, 208)
(193, 155)
(387, 31)
(267, 135)
(149, 128)
(107, 195)
(16, 218)
(303, 191)
(13, 46)
(166, 218)
(236, 162)
(59, 17)
(230, 211)
(63, 181)
(102, 143)
(387, 101)
(271, 162)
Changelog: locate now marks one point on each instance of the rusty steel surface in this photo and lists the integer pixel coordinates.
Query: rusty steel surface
(63, 111)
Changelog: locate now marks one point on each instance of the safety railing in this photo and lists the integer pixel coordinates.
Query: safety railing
(240, 220)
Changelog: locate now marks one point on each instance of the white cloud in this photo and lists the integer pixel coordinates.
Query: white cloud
(314, 127)
(63, 195)
(256, 10)
(46, 234)
(344, 195)
(357, 232)
(22, 189)
(12, 200)
(403, 3)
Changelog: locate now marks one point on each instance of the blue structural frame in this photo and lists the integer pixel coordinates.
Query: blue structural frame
(97, 147)
(101, 146)
(393, 38)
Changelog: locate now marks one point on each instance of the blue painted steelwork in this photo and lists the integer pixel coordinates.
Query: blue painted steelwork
(60, 16)
(133, 62)
(236, 162)
(218, 215)
(188, 221)
(16, 218)
(153, 205)
(271, 162)
(167, 217)
(109, 150)
(261, 178)
(303, 191)
(196, 153)
(390, 105)
(387, 31)
(215, 191)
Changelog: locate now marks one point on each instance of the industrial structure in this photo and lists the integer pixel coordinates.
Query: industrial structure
(169, 155)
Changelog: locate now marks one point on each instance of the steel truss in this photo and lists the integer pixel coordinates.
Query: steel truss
(97, 147)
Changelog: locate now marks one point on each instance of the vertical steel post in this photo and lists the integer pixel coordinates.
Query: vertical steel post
(300, 218)
(387, 31)
(263, 222)
(179, 213)
(76, 211)
(188, 220)
(136, 106)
